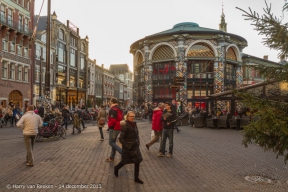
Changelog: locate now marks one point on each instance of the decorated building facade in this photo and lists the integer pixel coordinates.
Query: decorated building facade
(209, 60)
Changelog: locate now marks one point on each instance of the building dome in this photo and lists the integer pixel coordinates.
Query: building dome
(186, 24)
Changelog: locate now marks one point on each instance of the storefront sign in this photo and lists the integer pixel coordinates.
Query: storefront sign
(5, 84)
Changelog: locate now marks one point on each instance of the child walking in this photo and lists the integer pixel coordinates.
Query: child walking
(76, 123)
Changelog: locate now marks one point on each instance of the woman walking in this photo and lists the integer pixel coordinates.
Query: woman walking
(129, 138)
(65, 115)
(101, 118)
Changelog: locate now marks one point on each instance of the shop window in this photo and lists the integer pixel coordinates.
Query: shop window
(162, 71)
(200, 50)
(200, 69)
(230, 72)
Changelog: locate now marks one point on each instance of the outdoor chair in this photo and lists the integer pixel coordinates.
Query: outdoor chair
(209, 122)
(199, 122)
(233, 122)
(223, 122)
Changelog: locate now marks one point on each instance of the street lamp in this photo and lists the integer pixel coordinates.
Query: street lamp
(47, 72)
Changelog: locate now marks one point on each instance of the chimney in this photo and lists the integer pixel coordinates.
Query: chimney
(265, 57)
(102, 65)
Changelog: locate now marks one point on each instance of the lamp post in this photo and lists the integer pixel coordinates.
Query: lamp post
(47, 72)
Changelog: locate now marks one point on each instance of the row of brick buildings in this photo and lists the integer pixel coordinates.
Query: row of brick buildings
(73, 75)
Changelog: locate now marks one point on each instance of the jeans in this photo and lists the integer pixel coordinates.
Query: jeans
(167, 133)
(176, 127)
(65, 122)
(101, 132)
(113, 134)
(29, 143)
(156, 138)
(13, 119)
(82, 121)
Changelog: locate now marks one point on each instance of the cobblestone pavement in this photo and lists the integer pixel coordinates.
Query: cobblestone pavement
(203, 160)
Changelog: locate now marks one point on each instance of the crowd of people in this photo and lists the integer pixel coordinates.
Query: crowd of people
(121, 124)
(10, 115)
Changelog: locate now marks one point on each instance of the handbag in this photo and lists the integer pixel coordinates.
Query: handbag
(17, 116)
(101, 121)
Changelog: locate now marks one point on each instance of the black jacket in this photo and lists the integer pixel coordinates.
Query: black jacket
(65, 112)
(41, 111)
(171, 119)
(129, 138)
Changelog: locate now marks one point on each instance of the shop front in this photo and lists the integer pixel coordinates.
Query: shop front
(14, 93)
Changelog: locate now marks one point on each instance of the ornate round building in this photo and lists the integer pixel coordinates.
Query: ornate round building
(208, 59)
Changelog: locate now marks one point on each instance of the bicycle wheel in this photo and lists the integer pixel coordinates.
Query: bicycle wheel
(61, 132)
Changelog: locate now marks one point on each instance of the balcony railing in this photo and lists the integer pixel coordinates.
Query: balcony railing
(15, 25)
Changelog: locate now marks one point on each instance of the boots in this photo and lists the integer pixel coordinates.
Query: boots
(136, 176)
(117, 167)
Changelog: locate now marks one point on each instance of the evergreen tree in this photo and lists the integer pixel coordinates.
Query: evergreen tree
(269, 128)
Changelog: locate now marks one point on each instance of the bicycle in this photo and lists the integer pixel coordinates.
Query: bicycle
(51, 129)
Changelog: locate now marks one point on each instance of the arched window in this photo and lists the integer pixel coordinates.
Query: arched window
(61, 34)
(230, 54)
(82, 47)
(140, 59)
(200, 50)
(163, 52)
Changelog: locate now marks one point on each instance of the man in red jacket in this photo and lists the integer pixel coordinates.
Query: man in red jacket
(114, 118)
(157, 125)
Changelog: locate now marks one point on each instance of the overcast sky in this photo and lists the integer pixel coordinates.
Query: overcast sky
(113, 25)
